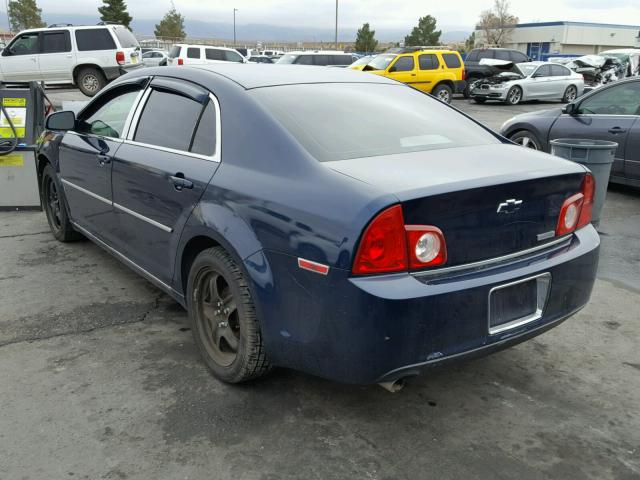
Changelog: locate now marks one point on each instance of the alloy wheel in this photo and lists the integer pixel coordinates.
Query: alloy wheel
(526, 142)
(514, 96)
(571, 94)
(217, 316)
(90, 82)
(444, 96)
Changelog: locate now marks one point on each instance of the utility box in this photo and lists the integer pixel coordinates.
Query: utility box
(22, 116)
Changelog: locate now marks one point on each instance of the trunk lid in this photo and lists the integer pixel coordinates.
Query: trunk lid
(460, 191)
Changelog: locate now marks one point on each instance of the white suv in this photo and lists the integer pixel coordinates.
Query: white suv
(87, 56)
(182, 54)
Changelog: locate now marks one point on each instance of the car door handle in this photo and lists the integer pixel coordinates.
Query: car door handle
(179, 182)
(616, 130)
(103, 160)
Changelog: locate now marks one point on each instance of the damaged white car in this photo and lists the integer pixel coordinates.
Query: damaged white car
(513, 83)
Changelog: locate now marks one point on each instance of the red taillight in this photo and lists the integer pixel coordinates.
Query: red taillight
(464, 74)
(576, 210)
(180, 61)
(383, 248)
(388, 245)
(426, 246)
(120, 58)
(589, 192)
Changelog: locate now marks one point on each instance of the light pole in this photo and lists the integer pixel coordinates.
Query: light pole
(234, 26)
(6, 6)
(336, 37)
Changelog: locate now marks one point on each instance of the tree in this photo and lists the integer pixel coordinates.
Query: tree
(171, 26)
(497, 23)
(470, 42)
(115, 11)
(24, 14)
(366, 39)
(424, 34)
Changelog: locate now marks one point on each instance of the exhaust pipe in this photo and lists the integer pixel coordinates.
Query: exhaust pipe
(394, 386)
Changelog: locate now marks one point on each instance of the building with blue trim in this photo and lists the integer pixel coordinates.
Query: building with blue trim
(544, 39)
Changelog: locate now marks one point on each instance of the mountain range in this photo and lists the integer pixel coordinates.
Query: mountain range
(259, 32)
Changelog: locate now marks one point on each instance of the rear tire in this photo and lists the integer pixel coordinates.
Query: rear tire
(90, 81)
(223, 318)
(570, 94)
(443, 92)
(514, 95)
(55, 207)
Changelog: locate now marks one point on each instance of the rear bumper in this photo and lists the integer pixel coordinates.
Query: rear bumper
(372, 329)
(459, 86)
(111, 73)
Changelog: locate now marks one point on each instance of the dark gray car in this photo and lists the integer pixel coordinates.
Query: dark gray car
(608, 113)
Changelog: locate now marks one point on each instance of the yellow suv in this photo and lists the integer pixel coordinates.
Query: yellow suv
(438, 72)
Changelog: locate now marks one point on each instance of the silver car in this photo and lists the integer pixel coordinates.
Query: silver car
(513, 83)
(154, 58)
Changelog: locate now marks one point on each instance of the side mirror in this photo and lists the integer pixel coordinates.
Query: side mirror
(570, 109)
(61, 121)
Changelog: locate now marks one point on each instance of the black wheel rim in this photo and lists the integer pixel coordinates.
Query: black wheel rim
(52, 199)
(217, 316)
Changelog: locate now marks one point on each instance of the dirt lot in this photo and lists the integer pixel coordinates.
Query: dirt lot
(100, 379)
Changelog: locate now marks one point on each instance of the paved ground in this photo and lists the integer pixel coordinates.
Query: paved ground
(99, 379)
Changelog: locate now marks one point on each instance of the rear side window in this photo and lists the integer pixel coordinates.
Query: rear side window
(159, 125)
(428, 61)
(484, 54)
(452, 60)
(403, 64)
(126, 38)
(341, 60)
(56, 42)
(94, 39)
(214, 54)
(473, 56)
(204, 140)
(193, 52)
(559, 71)
(322, 60)
(175, 51)
(502, 55)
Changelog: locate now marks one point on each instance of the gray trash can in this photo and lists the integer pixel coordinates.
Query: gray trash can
(597, 156)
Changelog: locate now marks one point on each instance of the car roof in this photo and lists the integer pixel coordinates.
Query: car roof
(196, 45)
(257, 75)
(319, 52)
(68, 27)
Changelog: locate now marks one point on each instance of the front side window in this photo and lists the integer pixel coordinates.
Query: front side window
(230, 56)
(56, 42)
(304, 60)
(543, 71)
(428, 61)
(193, 52)
(26, 44)
(108, 118)
(518, 57)
(336, 121)
(168, 120)
(322, 60)
(403, 64)
(94, 39)
(621, 99)
(452, 60)
(502, 55)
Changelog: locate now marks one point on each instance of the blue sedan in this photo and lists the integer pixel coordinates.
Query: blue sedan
(331, 222)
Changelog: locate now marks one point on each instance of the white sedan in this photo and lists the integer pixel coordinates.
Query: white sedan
(513, 83)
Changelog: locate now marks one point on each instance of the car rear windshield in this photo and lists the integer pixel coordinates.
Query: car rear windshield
(174, 52)
(341, 121)
(126, 38)
(94, 39)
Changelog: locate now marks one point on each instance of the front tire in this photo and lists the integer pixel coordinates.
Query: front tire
(55, 207)
(570, 94)
(526, 139)
(443, 92)
(90, 81)
(514, 95)
(223, 318)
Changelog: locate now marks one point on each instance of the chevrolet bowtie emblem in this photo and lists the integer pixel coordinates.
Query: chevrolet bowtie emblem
(509, 206)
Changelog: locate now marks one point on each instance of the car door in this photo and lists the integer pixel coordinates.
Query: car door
(403, 69)
(632, 154)
(539, 86)
(428, 65)
(608, 114)
(162, 170)
(56, 58)
(86, 157)
(561, 79)
(20, 59)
